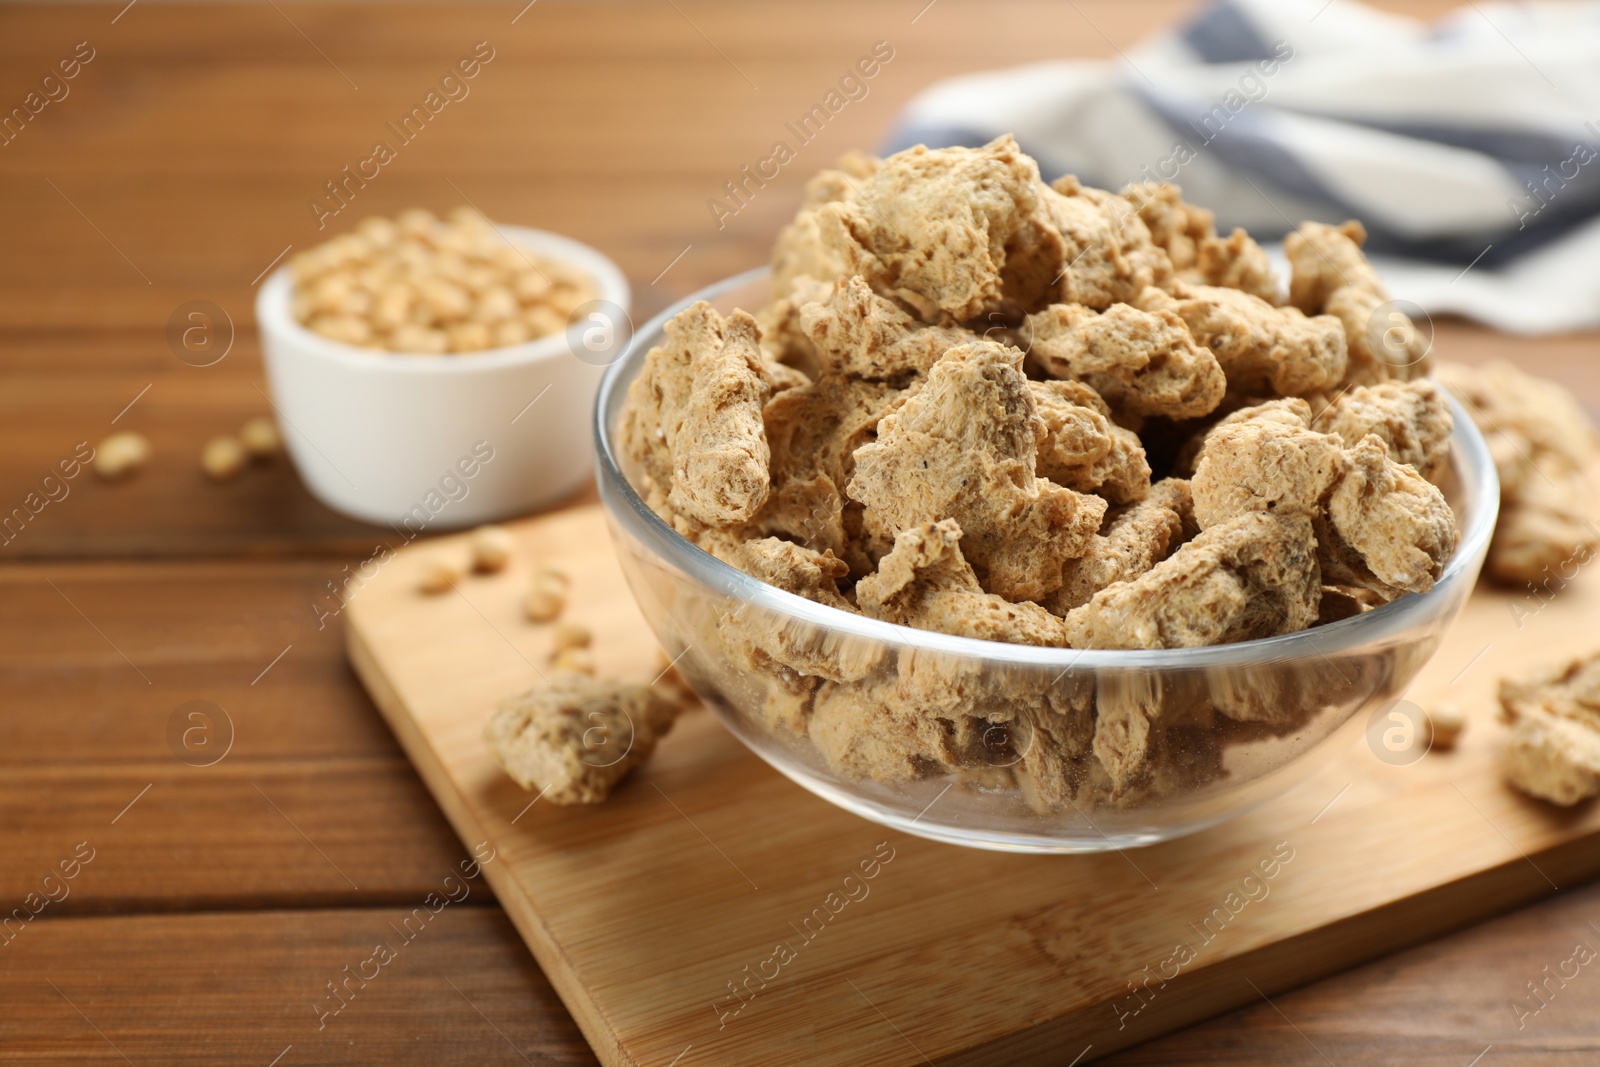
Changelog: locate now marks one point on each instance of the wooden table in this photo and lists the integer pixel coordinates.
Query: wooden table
(221, 900)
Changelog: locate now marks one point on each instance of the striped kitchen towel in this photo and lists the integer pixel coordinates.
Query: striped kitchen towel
(1470, 147)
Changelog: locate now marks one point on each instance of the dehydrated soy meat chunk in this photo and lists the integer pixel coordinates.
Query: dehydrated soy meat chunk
(1379, 524)
(1346, 601)
(801, 251)
(857, 333)
(788, 566)
(1411, 418)
(1154, 735)
(1108, 256)
(1554, 750)
(1261, 348)
(813, 432)
(1050, 741)
(1289, 410)
(1134, 540)
(1570, 689)
(963, 447)
(1264, 464)
(818, 427)
(808, 511)
(1331, 276)
(1253, 576)
(575, 738)
(952, 231)
(1543, 446)
(1083, 449)
(1548, 532)
(783, 340)
(764, 640)
(1189, 236)
(1175, 225)
(925, 582)
(1541, 416)
(1142, 362)
(693, 421)
(1237, 262)
(1554, 759)
(868, 732)
(1386, 526)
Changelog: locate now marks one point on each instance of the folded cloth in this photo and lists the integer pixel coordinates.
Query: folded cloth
(1469, 148)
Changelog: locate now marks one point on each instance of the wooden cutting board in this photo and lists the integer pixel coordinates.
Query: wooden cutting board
(658, 916)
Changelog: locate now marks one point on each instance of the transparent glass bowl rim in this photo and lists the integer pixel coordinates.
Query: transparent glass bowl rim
(1392, 621)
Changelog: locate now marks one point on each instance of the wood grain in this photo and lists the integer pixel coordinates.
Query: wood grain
(97, 662)
(237, 835)
(208, 989)
(1438, 1005)
(640, 928)
(237, 982)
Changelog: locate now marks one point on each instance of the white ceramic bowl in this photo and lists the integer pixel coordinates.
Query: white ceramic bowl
(424, 441)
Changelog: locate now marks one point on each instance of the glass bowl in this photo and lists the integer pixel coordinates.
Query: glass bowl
(1001, 733)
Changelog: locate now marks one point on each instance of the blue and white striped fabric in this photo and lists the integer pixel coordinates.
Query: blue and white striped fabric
(1470, 148)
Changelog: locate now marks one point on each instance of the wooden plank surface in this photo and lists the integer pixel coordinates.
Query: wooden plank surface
(237, 983)
(213, 988)
(191, 145)
(291, 761)
(1439, 1005)
(640, 927)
